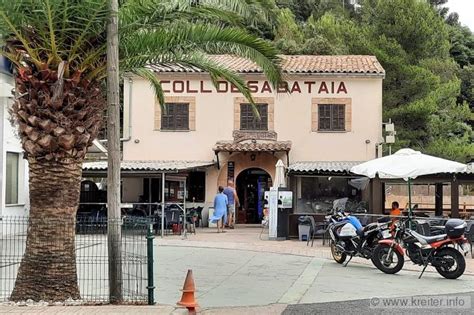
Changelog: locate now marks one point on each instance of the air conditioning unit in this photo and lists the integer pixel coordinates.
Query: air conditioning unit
(390, 127)
(389, 139)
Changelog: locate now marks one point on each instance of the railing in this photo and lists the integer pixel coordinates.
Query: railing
(91, 256)
(150, 210)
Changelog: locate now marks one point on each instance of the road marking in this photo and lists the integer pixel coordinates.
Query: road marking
(296, 292)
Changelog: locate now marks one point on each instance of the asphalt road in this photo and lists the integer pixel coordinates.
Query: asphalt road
(366, 306)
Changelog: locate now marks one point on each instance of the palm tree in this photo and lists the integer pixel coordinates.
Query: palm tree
(58, 49)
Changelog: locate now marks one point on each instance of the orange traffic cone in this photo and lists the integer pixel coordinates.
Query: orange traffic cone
(187, 299)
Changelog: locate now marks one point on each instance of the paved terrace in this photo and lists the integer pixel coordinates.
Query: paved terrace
(253, 238)
(241, 272)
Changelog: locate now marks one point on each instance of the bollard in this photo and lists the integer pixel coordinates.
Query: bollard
(149, 252)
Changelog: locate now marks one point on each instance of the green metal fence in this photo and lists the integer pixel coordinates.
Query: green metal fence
(92, 259)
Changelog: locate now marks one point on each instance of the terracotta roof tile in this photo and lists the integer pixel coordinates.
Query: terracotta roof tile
(354, 64)
(252, 146)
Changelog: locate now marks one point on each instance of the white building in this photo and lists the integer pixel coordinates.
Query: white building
(14, 197)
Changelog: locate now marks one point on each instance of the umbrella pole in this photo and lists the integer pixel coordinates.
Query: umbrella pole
(410, 212)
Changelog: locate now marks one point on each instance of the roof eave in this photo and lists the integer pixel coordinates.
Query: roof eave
(285, 74)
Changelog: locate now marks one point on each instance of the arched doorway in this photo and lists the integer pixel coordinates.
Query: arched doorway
(251, 184)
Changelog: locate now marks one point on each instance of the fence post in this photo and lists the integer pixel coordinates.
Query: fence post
(151, 285)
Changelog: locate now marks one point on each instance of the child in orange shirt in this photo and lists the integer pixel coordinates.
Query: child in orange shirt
(395, 212)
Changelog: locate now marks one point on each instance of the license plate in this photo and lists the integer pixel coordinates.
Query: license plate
(386, 234)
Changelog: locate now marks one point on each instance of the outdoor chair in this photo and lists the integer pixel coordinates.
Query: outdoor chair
(437, 221)
(172, 217)
(364, 220)
(470, 235)
(423, 228)
(157, 223)
(318, 229)
(437, 226)
(191, 218)
(199, 213)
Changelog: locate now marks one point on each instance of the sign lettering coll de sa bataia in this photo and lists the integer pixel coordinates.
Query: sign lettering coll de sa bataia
(310, 87)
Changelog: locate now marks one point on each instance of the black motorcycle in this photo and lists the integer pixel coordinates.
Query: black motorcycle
(440, 251)
(349, 238)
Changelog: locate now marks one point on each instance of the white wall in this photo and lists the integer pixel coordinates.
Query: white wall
(11, 143)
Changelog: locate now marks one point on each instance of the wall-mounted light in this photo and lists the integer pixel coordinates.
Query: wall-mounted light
(252, 157)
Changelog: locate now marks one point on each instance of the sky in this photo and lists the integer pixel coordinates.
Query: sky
(465, 9)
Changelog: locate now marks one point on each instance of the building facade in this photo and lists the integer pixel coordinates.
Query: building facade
(14, 196)
(328, 111)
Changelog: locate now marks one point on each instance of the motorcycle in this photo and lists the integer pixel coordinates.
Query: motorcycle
(349, 238)
(423, 250)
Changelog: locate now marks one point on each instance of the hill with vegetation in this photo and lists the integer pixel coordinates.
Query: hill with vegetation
(428, 56)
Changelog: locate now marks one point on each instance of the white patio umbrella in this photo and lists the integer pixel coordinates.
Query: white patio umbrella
(279, 175)
(407, 164)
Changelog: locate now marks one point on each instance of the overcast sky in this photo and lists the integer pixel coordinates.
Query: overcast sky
(465, 9)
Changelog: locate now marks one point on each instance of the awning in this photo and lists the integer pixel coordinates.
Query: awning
(322, 167)
(252, 146)
(146, 166)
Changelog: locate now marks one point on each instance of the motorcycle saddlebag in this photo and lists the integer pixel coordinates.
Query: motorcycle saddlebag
(455, 227)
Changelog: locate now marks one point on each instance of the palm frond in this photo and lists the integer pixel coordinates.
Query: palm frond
(149, 47)
(151, 77)
(217, 72)
(136, 15)
(46, 32)
(43, 33)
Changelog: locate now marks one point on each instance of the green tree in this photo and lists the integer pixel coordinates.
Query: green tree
(466, 75)
(462, 44)
(288, 35)
(414, 24)
(424, 51)
(58, 49)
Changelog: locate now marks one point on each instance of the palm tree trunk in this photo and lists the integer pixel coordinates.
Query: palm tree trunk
(48, 268)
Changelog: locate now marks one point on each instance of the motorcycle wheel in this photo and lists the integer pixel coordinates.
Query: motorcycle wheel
(379, 256)
(459, 266)
(337, 255)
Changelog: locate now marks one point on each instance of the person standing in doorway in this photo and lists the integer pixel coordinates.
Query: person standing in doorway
(233, 199)
(220, 209)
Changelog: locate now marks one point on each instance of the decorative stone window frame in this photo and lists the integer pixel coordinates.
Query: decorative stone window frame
(270, 101)
(191, 100)
(347, 102)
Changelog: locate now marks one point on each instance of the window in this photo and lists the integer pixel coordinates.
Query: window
(317, 193)
(174, 190)
(331, 117)
(196, 186)
(12, 178)
(248, 121)
(176, 117)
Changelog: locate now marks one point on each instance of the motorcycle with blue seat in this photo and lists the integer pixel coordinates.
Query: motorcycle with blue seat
(350, 239)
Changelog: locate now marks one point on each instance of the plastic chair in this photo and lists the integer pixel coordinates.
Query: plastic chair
(364, 220)
(172, 217)
(319, 229)
(470, 235)
(199, 213)
(423, 229)
(191, 218)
